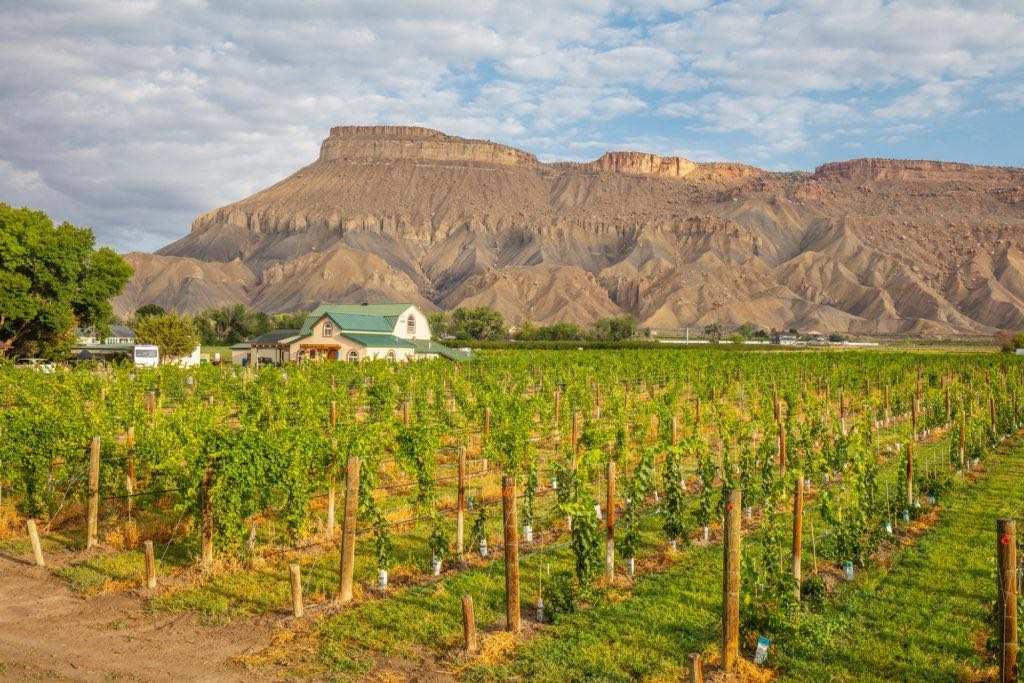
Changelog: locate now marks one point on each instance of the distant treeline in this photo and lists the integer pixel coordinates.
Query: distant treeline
(230, 324)
(484, 324)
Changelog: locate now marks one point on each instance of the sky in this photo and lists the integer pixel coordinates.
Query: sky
(134, 117)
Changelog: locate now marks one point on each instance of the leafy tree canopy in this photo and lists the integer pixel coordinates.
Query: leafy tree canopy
(52, 278)
(174, 335)
(148, 310)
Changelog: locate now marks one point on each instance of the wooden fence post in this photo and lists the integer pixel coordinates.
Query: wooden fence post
(782, 447)
(798, 530)
(731, 581)
(348, 531)
(150, 565)
(93, 511)
(334, 414)
(206, 506)
(129, 479)
(963, 434)
(37, 548)
(460, 511)
(487, 420)
(469, 623)
(696, 668)
(1006, 629)
(330, 506)
(910, 473)
(609, 544)
(675, 430)
(406, 413)
(295, 573)
(575, 436)
(508, 505)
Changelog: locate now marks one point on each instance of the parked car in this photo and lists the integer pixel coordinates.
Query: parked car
(39, 364)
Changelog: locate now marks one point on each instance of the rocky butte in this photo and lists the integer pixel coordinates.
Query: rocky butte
(867, 246)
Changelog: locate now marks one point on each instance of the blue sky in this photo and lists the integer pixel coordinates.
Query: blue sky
(135, 117)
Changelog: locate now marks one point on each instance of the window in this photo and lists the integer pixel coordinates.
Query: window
(328, 329)
(410, 325)
(353, 355)
(391, 354)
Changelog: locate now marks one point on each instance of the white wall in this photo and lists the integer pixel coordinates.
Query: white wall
(422, 325)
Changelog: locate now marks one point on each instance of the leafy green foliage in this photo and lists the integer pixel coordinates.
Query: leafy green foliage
(52, 278)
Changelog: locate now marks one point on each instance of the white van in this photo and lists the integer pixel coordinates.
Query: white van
(146, 355)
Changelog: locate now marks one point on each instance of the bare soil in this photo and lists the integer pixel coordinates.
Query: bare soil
(48, 633)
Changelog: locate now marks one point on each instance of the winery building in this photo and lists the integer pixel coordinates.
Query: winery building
(349, 332)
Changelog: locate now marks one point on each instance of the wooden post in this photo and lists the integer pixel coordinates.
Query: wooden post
(93, 512)
(575, 436)
(992, 412)
(910, 473)
(949, 412)
(330, 507)
(697, 417)
(696, 668)
(487, 420)
(348, 531)
(37, 548)
(469, 623)
(508, 506)
(129, 483)
(334, 414)
(963, 434)
(1006, 628)
(558, 401)
(798, 530)
(150, 565)
(782, 447)
(460, 511)
(885, 404)
(406, 413)
(609, 544)
(675, 431)
(731, 581)
(842, 411)
(295, 573)
(913, 418)
(206, 506)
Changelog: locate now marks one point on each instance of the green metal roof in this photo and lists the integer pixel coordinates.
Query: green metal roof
(432, 347)
(356, 317)
(240, 346)
(378, 341)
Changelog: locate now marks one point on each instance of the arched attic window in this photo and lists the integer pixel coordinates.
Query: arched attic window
(328, 329)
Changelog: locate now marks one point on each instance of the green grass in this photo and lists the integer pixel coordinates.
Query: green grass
(673, 613)
(922, 618)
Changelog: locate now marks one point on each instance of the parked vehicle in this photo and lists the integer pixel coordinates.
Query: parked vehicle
(39, 364)
(146, 355)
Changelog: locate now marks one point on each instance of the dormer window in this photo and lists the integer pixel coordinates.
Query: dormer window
(410, 325)
(328, 329)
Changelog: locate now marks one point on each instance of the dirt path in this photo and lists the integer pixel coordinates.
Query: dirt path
(47, 633)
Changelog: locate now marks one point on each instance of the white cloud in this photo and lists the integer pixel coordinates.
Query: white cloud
(135, 117)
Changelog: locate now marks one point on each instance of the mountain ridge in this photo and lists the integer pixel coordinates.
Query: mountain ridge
(864, 246)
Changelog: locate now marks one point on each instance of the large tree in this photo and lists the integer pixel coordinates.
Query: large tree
(52, 278)
(174, 335)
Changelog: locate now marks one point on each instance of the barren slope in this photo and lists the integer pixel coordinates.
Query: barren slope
(864, 246)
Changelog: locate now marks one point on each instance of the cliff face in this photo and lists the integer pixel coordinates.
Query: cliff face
(405, 213)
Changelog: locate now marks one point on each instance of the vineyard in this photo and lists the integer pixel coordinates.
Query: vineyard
(552, 515)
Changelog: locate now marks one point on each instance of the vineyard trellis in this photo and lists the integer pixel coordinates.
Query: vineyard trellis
(425, 448)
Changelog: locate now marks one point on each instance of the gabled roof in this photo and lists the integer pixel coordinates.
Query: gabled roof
(274, 336)
(357, 317)
(122, 331)
(378, 341)
(427, 347)
(240, 346)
